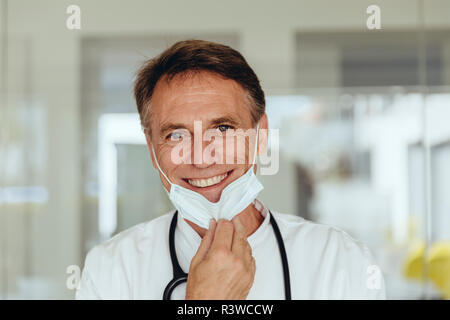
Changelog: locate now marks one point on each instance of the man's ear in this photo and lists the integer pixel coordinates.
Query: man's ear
(149, 145)
(263, 134)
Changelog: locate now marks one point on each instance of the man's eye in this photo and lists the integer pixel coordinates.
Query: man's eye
(175, 136)
(223, 127)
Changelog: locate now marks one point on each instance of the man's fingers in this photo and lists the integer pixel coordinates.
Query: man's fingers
(223, 237)
(240, 228)
(206, 243)
(240, 244)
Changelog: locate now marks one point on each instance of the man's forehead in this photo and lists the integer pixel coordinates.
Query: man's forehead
(198, 85)
(198, 93)
(203, 96)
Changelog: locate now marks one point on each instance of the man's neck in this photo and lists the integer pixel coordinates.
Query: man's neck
(250, 218)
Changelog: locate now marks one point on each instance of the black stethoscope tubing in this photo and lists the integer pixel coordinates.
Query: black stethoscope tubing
(179, 276)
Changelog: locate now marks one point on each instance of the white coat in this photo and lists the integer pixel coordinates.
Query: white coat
(324, 262)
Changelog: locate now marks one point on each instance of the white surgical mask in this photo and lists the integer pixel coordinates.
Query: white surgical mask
(234, 198)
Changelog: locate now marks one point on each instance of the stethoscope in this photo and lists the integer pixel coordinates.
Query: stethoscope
(179, 276)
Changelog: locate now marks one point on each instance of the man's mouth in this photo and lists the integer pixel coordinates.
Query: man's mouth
(203, 183)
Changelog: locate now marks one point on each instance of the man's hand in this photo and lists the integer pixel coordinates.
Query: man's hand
(223, 267)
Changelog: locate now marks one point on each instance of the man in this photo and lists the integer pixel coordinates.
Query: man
(229, 243)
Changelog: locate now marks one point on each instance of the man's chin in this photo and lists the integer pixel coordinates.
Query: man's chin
(212, 197)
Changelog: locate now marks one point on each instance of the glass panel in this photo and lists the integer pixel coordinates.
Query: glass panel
(440, 167)
(140, 196)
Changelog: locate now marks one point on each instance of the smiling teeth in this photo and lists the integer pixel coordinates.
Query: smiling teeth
(202, 183)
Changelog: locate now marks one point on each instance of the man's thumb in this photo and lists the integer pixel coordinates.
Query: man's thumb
(206, 243)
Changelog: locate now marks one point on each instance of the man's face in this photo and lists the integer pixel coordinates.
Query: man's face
(220, 105)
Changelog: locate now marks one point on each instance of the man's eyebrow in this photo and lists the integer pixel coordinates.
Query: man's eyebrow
(166, 128)
(225, 119)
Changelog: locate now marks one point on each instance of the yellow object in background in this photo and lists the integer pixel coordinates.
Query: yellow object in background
(438, 262)
(413, 267)
(439, 270)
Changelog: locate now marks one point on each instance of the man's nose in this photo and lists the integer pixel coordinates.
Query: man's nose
(199, 158)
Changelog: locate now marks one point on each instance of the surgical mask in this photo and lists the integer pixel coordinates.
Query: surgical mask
(234, 198)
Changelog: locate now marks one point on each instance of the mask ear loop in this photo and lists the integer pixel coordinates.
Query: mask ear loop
(255, 154)
(159, 168)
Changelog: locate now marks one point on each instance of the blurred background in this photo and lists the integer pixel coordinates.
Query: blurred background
(363, 116)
